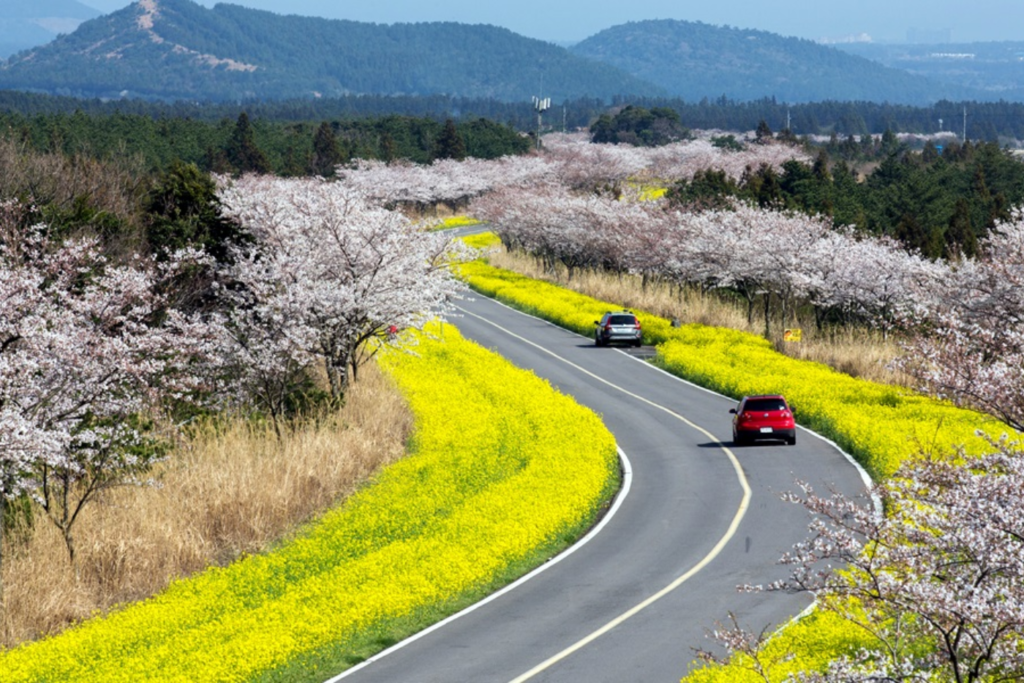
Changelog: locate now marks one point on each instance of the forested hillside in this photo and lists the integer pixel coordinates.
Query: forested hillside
(693, 60)
(177, 49)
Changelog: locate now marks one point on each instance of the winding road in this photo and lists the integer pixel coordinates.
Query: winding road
(635, 600)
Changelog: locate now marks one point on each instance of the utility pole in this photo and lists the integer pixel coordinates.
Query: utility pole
(965, 123)
(541, 105)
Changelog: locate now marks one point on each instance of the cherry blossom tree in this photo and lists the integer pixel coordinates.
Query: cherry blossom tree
(328, 272)
(936, 581)
(871, 279)
(578, 230)
(971, 350)
(391, 185)
(88, 349)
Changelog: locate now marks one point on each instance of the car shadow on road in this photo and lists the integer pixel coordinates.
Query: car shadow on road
(733, 444)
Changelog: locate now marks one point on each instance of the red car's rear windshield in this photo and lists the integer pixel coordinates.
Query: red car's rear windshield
(763, 405)
(622, 320)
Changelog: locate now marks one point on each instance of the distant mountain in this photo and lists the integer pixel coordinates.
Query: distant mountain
(28, 23)
(177, 49)
(693, 60)
(996, 68)
(180, 50)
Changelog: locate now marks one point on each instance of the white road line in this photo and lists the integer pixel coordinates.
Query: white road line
(722, 542)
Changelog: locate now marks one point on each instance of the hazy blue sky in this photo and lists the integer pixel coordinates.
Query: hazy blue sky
(573, 20)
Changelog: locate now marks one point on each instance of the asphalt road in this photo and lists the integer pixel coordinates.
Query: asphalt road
(699, 519)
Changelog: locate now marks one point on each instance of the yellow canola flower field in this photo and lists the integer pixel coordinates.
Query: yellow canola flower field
(457, 222)
(502, 467)
(880, 425)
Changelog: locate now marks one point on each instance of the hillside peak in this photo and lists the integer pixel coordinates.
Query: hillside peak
(178, 49)
(155, 20)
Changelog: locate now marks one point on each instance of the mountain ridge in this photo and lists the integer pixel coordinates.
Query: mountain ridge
(694, 60)
(180, 50)
(232, 52)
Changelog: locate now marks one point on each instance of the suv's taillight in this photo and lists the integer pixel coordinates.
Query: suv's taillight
(608, 325)
(637, 324)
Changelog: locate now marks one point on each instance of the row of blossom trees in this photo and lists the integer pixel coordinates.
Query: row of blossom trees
(565, 206)
(569, 160)
(91, 351)
(793, 258)
(972, 351)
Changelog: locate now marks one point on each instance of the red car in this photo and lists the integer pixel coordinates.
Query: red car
(763, 417)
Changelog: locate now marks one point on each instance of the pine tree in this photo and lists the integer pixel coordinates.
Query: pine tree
(450, 144)
(960, 238)
(242, 152)
(916, 237)
(326, 152)
(388, 148)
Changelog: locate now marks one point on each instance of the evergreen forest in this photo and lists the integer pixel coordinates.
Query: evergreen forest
(244, 143)
(1001, 122)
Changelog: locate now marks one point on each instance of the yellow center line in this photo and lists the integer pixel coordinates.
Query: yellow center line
(722, 542)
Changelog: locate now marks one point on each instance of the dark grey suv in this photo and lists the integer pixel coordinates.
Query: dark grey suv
(620, 326)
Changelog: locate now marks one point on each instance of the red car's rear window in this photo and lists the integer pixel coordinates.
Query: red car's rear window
(764, 405)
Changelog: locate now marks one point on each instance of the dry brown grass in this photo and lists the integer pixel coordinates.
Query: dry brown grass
(855, 351)
(224, 492)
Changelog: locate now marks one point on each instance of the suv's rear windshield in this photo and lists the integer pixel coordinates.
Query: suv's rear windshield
(759, 405)
(622, 320)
